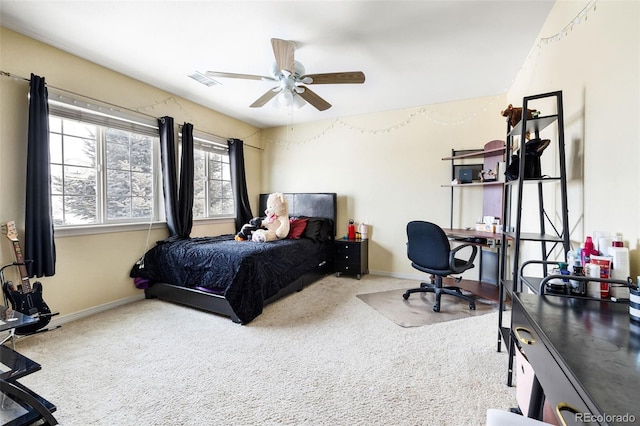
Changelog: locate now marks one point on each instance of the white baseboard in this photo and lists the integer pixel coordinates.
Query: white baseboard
(59, 320)
(414, 277)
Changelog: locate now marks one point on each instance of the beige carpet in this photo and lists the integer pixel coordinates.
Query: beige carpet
(317, 357)
(418, 311)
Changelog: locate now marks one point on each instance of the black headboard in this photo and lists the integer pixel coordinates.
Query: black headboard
(316, 204)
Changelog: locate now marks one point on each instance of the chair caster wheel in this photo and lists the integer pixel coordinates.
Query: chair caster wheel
(436, 308)
(406, 296)
(472, 306)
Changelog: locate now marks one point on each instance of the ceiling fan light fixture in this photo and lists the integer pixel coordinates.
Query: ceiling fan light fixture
(285, 98)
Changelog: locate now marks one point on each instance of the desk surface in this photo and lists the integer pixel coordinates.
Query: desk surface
(596, 345)
(472, 236)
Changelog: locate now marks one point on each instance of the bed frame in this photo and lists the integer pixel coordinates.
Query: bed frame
(300, 204)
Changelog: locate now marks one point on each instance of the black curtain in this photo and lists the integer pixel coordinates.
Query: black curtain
(178, 196)
(39, 246)
(239, 182)
(185, 203)
(169, 175)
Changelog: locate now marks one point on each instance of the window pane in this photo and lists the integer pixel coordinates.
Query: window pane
(142, 153)
(55, 148)
(198, 207)
(79, 181)
(76, 128)
(90, 163)
(80, 210)
(118, 183)
(57, 209)
(118, 207)
(129, 174)
(56, 179)
(118, 156)
(55, 124)
(141, 184)
(142, 207)
(79, 152)
(212, 184)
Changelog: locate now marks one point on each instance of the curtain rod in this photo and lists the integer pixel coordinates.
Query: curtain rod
(28, 80)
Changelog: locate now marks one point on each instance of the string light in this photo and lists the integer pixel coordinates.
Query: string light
(424, 112)
(188, 117)
(579, 18)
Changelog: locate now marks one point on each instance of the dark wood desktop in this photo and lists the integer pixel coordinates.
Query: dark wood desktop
(585, 354)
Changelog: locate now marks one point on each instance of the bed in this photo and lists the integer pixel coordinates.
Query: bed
(237, 278)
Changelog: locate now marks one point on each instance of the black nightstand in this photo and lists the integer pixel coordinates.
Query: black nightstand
(352, 257)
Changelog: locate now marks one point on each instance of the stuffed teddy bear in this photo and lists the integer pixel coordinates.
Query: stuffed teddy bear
(275, 226)
(514, 115)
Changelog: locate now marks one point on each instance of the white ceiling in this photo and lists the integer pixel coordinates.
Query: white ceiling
(413, 53)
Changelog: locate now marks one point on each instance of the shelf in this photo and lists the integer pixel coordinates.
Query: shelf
(533, 125)
(532, 282)
(19, 364)
(450, 185)
(508, 287)
(534, 236)
(476, 153)
(27, 414)
(528, 181)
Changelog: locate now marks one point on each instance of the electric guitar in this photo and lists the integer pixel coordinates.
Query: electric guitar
(24, 298)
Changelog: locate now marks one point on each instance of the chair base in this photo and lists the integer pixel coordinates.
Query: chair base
(438, 289)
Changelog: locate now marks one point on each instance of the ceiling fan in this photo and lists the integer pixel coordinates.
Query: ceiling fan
(292, 80)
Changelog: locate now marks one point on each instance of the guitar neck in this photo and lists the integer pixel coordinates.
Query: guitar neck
(24, 275)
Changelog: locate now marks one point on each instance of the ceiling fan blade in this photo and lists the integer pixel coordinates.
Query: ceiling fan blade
(270, 94)
(315, 100)
(283, 50)
(351, 77)
(234, 75)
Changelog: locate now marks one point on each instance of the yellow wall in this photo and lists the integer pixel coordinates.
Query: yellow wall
(387, 167)
(597, 66)
(92, 270)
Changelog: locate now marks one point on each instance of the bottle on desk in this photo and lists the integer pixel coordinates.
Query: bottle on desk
(578, 287)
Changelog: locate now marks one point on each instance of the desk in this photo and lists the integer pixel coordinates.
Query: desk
(486, 286)
(585, 354)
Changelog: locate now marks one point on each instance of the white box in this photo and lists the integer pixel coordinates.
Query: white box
(524, 381)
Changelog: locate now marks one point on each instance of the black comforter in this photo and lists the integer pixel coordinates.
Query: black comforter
(246, 273)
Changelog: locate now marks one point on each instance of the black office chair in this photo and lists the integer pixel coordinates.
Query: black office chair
(429, 251)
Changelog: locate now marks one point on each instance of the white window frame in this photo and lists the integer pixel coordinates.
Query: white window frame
(209, 143)
(106, 117)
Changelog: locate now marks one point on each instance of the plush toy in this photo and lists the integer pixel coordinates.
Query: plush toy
(275, 226)
(248, 229)
(514, 115)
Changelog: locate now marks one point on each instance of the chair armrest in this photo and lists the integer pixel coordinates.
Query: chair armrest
(452, 254)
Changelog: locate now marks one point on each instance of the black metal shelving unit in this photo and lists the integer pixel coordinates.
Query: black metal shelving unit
(549, 235)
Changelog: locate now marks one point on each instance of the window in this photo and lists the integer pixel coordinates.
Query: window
(101, 174)
(213, 194)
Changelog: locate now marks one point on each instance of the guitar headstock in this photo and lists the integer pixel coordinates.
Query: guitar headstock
(9, 229)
